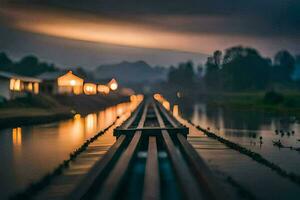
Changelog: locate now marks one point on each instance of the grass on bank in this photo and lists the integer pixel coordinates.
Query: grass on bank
(32, 106)
(287, 101)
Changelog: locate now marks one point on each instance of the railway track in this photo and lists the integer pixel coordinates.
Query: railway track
(151, 159)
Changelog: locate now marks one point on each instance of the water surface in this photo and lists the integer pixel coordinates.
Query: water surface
(246, 128)
(28, 153)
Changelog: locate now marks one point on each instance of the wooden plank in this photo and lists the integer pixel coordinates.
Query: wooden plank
(200, 169)
(80, 190)
(187, 182)
(152, 180)
(151, 130)
(111, 185)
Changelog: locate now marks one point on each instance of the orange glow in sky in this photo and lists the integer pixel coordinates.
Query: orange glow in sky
(92, 28)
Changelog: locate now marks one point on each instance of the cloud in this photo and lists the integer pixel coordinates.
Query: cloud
(192, 25)
(255, 17)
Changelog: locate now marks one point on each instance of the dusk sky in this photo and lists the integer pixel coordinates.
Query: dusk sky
(70, 32)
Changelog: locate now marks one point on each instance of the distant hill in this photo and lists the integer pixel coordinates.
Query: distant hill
(131, 72)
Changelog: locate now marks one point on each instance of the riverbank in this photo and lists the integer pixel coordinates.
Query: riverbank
(45, 109)
(290, 104)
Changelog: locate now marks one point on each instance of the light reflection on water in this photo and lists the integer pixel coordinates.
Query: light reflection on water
(17, 136)
(27, 153)
(241, 127)
(246, 128)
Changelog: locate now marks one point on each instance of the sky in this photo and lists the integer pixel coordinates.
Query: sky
(89, 33)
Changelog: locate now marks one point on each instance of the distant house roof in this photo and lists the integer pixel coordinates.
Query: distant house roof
(9, 75)
(49, 76)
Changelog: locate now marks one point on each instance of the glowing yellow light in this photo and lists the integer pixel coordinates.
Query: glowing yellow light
(113, 84)
(157, 97)
(77, 116)
(166, 104)
(90, 88)
(133, 98)
(12, 84)
(175, 111)
(30, 87)
(140, 97)
(72, 82)
(36, 88)
(69, 79)
(15, 85)
(17, 136)
(91, 123)
(103, 89)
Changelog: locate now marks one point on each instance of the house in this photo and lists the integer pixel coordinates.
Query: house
(69, 84)
(13, 85)
(107, 85)
(103, 89)
(90, 88)
(61, 83)
(113, 84)
(49, 82)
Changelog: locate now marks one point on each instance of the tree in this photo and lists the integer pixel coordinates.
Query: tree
(183, 75)
(217, 58)
(30, 66)
(5, 62)
(27, 66)
(200, 70)
(244, 68)
(284, 66)
(82, 73)
(213, 66)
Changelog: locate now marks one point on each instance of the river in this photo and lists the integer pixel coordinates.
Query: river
(254, 130)
(28, 153)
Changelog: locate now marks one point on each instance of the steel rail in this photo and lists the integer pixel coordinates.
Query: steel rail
(133, 117)
(97, 170)
(112, 184)
(107, 178)
(114, 180)
(186, 180)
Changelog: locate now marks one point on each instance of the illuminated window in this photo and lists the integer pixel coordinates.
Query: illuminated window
(90, 88)
(72, 82)
(36, 88)
(77, 90)
(12, 84)
(15, 85)
(103, 89)
(29, 87)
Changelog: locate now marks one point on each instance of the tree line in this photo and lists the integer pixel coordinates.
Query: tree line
(27, 66)
(31, 66)
(238, 68)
